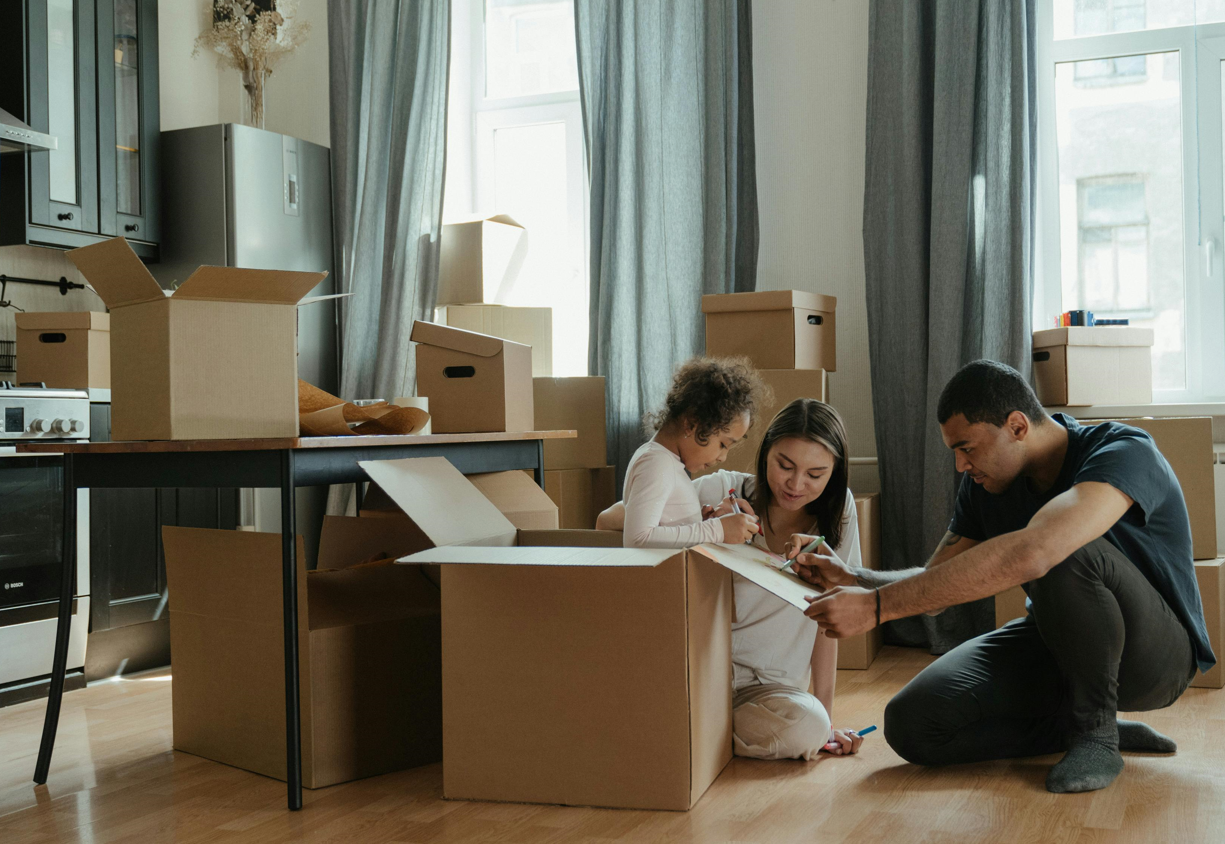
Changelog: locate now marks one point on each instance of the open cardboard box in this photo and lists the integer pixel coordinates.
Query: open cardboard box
(575, 671)
(368, 635)
(214, 359)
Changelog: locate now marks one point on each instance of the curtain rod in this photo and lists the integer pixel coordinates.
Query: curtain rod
(63, 284)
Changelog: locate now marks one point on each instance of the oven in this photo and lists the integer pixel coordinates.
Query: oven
(31, 540)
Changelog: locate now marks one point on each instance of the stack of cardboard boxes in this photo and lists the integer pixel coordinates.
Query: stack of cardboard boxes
(478, 268)
(576, 472)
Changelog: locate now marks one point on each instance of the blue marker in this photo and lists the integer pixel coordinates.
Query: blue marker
(833, 745)
(807, 549)
(863, 733)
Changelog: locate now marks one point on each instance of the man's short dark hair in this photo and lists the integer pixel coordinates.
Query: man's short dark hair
(987, 391)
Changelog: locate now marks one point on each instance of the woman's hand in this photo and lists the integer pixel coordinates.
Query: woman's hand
(843, 743)
(739, 528)
(725, 507)
(823, 568)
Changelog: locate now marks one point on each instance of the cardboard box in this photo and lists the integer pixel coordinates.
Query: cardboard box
(1086, 365)
(860, 651)
(581, 494)
(215, 360)
(574, 672)
(525, 505)
(1210, 575)
(1186, 443)
(787, 385)
(529, 326)
(480, 260)
(70, 350)
(475, 383)
(370, 653)
(776, 329)
(572, 404)
(1009, 604)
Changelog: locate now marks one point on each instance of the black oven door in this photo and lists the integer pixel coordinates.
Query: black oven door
(31, 528)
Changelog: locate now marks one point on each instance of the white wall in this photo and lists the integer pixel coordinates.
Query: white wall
(194, 92)
(810, 76)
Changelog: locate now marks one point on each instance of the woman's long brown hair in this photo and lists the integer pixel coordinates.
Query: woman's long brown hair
(815, 421)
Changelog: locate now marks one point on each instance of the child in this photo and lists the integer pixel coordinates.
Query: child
(709, 408)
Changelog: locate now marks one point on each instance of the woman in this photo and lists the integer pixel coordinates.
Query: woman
(800, 491)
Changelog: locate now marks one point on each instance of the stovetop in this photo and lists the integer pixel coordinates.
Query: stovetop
(42, 413)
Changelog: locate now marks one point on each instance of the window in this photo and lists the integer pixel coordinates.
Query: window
(515, 146)
(1130, 166)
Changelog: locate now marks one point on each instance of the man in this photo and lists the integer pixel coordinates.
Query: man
(1092, 522)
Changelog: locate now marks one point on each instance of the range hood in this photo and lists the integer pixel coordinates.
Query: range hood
(16, 136)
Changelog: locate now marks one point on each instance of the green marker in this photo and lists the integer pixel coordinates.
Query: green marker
(807, 549)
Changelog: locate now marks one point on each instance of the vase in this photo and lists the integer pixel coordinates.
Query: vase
(253, 84)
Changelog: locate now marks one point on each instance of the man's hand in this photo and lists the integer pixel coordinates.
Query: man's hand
(822, 569)
(843, 611)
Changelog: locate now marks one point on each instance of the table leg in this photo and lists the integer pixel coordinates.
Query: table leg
(539, 472)
(357, 498)
(289, 580)
(59, 666)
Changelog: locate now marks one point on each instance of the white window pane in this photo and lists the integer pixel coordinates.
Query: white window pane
(530, 184)
(529, 47)
(1121, 202)
(62, 99)
(1080, 18)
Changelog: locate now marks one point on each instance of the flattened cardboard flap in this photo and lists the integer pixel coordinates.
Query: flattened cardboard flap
(536, 555)
(458, 340)
(762, 568)
(115, 273)
(234, 284)
(443, 503)
(768, 300)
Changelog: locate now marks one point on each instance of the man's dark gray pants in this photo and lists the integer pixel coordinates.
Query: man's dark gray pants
(1099, 639)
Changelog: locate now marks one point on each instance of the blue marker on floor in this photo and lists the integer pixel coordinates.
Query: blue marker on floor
(864, 732)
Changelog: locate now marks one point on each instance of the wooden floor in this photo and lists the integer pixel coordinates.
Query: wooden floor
(114, 778)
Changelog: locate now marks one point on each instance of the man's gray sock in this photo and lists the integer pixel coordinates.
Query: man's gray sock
(1141, 738)
(1092, 762)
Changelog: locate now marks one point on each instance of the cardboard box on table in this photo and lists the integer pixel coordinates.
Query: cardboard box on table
(65, 349)
(572, 404)
(776, 329)
(581, 494)
(480, 260)
(369, 641)
(527, 326)
(786, 386)
(1210, 574)
(574, 671)
(217, 359)
(475, 383)
(1087, 365)
(860, 651)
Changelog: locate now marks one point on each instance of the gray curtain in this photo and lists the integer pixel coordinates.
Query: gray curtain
(388, 65)
(667, 112)
(947, 229)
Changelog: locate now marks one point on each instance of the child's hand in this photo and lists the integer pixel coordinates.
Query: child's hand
(738, 528)
(843, 743)
(725, 507)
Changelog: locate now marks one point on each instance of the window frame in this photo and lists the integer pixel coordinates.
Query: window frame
(1201, 50)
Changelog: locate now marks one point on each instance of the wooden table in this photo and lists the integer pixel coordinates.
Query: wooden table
(284, 463)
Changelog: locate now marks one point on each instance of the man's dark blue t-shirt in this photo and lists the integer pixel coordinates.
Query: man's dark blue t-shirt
(1155, 533)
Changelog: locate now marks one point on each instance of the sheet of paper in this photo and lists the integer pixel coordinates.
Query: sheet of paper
(761, 567)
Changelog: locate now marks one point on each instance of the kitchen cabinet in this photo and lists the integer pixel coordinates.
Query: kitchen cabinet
(84, 71)
(129, 625)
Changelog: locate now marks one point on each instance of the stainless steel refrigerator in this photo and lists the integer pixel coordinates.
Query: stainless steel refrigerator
(234, 196)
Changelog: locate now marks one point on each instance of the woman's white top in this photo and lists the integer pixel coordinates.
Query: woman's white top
(661, 504)
(772, 641)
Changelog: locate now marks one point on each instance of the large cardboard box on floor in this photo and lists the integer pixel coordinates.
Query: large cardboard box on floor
(1186, 442)
(575, 671)
(66, 349)
(1086, 365)
(1210, 574)
(527, 326)
(369, 640)
(786, 385)
(216, 360)
(480, 260)
(1009, 604)
(860, 651)
(572, 404)
(776, 329)
(581, 494)
(475, 383)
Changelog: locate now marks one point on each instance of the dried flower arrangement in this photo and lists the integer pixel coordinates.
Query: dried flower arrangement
(252, 36)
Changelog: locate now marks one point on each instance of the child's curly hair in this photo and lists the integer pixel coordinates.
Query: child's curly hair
(711, 393)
